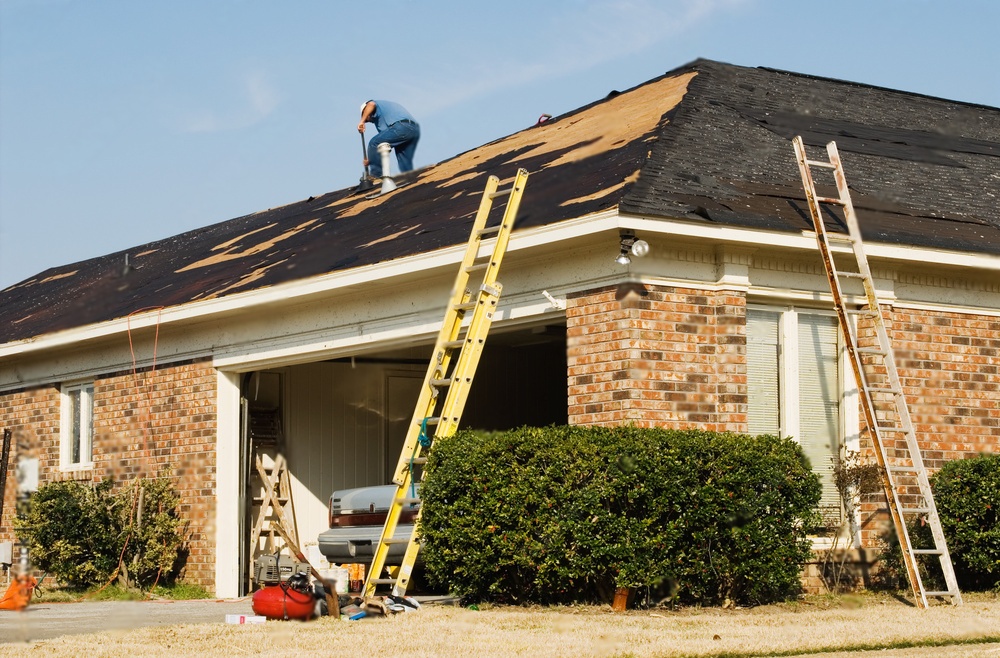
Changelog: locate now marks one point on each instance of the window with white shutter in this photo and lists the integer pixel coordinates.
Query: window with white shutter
(794, 386)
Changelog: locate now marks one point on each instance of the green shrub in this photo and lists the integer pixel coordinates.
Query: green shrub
(967, 494)
(70, 532)
(566, 513)
(83, 534)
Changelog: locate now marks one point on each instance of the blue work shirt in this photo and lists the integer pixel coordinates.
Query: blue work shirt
(387, 113)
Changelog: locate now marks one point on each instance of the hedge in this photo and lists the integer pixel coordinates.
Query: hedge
(563, 514)
(967, 494)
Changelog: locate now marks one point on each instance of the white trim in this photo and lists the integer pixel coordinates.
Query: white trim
(850, 421)
(557, 233)
(942, 308)
(806, 240)
(227, 488)
(302, 288)
(788, 364)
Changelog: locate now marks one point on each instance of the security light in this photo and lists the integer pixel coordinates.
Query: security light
(631, 245)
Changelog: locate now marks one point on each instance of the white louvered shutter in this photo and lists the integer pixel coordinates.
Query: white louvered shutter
(763, 390)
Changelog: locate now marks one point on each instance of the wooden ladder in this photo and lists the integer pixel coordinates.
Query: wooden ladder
(904, 477)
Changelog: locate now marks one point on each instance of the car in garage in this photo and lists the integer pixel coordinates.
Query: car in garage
(356, 519)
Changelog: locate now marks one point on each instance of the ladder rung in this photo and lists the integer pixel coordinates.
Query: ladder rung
(490, 230)
(384, 581)
(871, 350)
(409, 501)
(897, 429)
(927, 551)
(395, 541)
(478, 267)
(440, 382)
(418, 460)
(946, 593)
(466, 306)
(431, 420)
(875, 389)
(454, 344)
(904, 469)
(831, 200)
(915, 510)
(500, 193)
(821, 163)
(839, 237)
(851, 275)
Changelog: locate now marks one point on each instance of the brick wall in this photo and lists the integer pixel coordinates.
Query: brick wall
(33, 417)
(676, 357)
(949, 367)
(652, 355)
(143, 422)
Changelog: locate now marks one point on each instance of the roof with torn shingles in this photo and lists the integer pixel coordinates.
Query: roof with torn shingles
(708, 142)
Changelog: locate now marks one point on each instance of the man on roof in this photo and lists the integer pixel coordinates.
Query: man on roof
(395, 126)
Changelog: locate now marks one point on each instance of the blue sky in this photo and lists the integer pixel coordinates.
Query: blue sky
(125, 121)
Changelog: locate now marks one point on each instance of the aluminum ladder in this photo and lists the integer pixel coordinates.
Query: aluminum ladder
(453, 364)
(904, 477)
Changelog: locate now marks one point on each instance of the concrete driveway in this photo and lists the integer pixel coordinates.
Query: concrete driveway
(42, 621)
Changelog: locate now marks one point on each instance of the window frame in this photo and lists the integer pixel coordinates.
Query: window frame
(788, 384)
(67, 439)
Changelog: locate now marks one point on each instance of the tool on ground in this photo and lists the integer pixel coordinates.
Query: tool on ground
(904, 477)
(455, 357)
(284, 591)
(366, 183)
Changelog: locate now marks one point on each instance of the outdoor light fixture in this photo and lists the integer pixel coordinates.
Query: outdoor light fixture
(631, 245)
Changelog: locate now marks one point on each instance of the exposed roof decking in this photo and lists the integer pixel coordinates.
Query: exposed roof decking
(707, 143)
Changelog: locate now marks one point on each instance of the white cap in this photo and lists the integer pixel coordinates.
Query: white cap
(363, 106)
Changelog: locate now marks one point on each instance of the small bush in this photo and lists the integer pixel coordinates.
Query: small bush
(967, 496)
(563, 514)
(84, 534)
(967, 493)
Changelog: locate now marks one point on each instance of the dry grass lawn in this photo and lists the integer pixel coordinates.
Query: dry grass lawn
(815, 626)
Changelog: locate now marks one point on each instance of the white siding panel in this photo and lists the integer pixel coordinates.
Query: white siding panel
(334, 433)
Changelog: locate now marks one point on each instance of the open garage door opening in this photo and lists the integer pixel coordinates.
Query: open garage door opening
(340, 423)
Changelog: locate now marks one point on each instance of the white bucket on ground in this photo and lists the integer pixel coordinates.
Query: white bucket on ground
(339, 577)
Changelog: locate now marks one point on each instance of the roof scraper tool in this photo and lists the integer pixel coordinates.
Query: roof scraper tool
(366, 180)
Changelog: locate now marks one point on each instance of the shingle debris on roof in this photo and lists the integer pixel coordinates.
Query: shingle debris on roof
(708, 142)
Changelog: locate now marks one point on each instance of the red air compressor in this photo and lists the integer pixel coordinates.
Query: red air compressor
(285, 592)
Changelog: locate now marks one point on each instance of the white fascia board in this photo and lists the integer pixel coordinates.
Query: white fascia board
(315, 286)
(806, 240)
(551, 235)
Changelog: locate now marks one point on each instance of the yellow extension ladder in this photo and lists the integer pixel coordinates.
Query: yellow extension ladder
(453, 364)
(904, 476)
